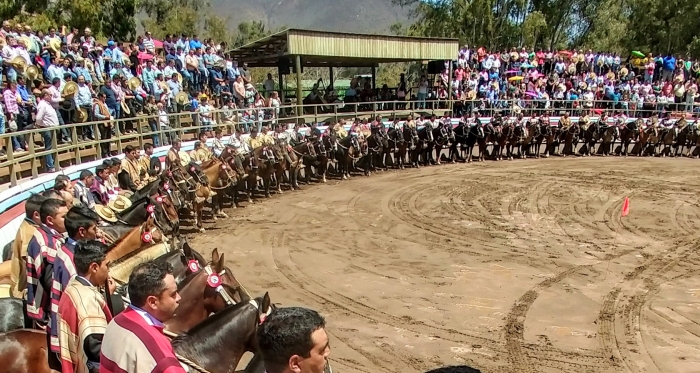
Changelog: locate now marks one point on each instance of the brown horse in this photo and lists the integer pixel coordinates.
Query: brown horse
(137, 238)
(244, 169)
(306, 153)
(199, 299)
(24, 351)
(266, 158)
(607, 139)
(220, 177)
(569, 137)
(217, 344)
(294, 167)
(628, 132)
(648, 137)
(532, 131)
(350, 150)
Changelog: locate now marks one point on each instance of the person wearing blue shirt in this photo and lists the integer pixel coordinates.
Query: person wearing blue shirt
(669, 65)
(148, 77)
(195, 43)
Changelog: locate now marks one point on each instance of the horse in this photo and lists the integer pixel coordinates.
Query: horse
(159, 207)
(13, 315)
(504, 141)
(199, 299)
(266, 158)
(24, 351)
(351, 149)
(134, 240)
(217, 344)
(590, 137)
(306, 153)
(376, 143)
(243, 169)
(441, 137)
(684, 134)
(413, 144)
(220, 177)
(646, 144)
(607, 139)
(570, 138)
(425, 150)
(531, 132)
(629, 132)
(398, 146)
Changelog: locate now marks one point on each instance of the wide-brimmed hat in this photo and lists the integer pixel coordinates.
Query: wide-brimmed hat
(184, 158)
(81, 115)
(133, 83)
(119, 204)
(70, 89)
(32, 73)
(105, 213)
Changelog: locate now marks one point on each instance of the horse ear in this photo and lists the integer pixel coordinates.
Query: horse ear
(186, 248)
(215, 255)
(220, 264)
(265, 305)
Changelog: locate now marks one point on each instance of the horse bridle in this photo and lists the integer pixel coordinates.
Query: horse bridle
(220, 286)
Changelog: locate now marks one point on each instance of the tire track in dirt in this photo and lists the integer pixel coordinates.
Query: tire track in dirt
(329, 298)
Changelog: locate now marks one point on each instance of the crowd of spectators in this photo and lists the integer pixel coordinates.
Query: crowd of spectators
(637, 85)
(58, 77)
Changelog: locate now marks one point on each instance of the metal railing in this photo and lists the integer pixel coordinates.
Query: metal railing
(186, 125)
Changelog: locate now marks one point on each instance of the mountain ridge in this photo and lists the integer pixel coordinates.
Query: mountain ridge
(360, 16)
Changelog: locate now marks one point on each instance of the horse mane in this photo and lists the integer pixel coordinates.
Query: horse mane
(209, 335)
(145, 191)
(123, 238)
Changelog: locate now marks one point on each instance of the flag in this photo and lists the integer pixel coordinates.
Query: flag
(625, 207)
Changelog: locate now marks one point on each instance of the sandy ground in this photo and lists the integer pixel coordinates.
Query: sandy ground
(512, 266)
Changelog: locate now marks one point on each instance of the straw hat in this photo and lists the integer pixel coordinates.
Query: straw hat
(125, 108)
(119, 204)
(32, 73)
(178, 77)
(19, 63)
(181, 98)
(105, 213)
(133, 83)
(55, 44)
(70, 89)
(184, 158)
(81, 115)
(126, 193)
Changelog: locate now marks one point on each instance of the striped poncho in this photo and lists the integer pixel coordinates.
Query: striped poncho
(134, 343)
(82, 319)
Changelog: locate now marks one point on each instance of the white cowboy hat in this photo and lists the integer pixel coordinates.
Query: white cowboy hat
(105, 213)
(184, 158)
(119, 204)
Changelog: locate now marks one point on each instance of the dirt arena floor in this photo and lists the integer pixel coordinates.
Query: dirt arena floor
(511, 266)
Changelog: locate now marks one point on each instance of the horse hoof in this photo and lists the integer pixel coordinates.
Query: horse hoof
(202, 230)
(214, 217)
(223, 215)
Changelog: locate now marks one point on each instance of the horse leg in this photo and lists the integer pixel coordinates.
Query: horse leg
(199, 213)
(279, 174)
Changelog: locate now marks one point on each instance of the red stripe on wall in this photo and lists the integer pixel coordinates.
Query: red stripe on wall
(10, 215)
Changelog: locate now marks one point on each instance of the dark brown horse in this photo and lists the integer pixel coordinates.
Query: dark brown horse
(243, 167)
(199, 299)
(350, 150)
(569, 136)
(266, 159)
(217, 344)
(628, 132)
(398, 146)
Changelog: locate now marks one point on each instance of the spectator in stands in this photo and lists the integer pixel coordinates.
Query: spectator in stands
(82, 312)
(81, 189)
(294, 340)
(27, 230)
(134, 338)
(47, 117)
(113, 173)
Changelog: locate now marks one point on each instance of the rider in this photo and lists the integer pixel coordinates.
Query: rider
(217, 144)
(201, 153)
(241, 149)
(565, 122)
(256, 141)
(410, 123)
(284, 137)
(430, 125)
(172, 160)
(314, 133)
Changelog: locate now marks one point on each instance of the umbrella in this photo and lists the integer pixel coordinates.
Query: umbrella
(525, 66)
(531, 94)
(565, 53)
(638, 54)
(512, 71)
(515, 78)
(157, 44)
(145, 56)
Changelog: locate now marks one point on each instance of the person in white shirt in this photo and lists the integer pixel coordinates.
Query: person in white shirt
(47, 117)
(269, 85)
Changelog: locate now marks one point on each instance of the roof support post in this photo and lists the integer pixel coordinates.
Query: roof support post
(300, 98)
(449, 88)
